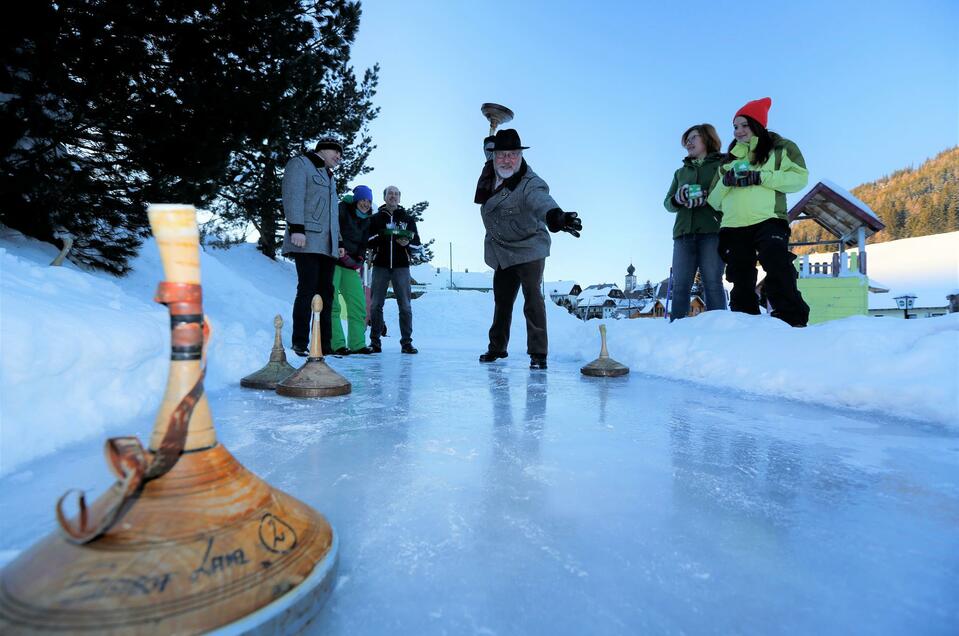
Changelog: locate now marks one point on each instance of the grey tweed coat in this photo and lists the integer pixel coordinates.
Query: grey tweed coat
(515, 221)
(310, 200)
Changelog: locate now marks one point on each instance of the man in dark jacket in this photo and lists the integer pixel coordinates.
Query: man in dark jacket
(310, 204)
(393, 235)
(517, 211)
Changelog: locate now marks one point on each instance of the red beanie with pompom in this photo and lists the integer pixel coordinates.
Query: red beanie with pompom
(758, 109)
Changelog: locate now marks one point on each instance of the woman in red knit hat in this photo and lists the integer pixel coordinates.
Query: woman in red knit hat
(759, 169)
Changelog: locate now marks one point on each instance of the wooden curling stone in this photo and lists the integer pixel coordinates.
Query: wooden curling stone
(604, 366)
(315, 378)
(276, 369)
(187, 540)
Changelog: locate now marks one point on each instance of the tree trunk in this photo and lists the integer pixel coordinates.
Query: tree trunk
(267, 243)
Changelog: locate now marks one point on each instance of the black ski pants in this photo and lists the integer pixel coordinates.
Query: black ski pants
(768, 241)
(507, 282)
(314, 275)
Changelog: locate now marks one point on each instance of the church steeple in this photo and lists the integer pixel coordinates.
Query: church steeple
(630, 278)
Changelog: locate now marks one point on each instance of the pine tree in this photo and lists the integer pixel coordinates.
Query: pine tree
(111, 104)
(62, 160)
(648, 290)
(303, 89)
(697, 286)
(425, 255)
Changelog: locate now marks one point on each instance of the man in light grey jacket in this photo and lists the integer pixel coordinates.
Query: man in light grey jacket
(311, 204)
(517, 211)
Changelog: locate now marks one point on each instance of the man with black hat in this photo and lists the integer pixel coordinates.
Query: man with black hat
(310, 203)
(517, 211)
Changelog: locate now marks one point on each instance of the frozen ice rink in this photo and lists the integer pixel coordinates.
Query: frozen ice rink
(491, 499)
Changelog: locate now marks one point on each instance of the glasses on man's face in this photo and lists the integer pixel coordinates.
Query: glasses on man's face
(511, 155)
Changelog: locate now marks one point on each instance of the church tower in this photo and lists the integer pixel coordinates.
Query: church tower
(630, 278)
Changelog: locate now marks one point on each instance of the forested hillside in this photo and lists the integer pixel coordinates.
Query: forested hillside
(911, 202)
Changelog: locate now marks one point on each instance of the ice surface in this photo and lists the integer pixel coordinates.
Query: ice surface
(493, 499)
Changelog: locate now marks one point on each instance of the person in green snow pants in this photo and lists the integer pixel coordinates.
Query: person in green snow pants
(354, 233)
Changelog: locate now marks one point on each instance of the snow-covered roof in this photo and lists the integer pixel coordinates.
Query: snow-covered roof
(560, 287)
(602, 286)
(594, 291)
(439, 278)
(849, 196)
(836, 210)
(925, 266)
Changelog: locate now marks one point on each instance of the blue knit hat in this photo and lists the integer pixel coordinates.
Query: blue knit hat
(361, 192)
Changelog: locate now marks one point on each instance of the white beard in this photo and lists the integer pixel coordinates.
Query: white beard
(505, 173)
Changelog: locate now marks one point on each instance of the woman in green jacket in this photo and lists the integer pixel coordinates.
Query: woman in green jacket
(696, 230)
(750, 191)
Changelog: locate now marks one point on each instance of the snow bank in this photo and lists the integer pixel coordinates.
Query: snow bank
(86, 355)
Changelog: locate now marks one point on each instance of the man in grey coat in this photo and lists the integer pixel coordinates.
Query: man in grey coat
(517, 211)
(311, 204)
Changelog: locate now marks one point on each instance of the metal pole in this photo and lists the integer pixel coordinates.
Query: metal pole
(451, 264)
(669, 292)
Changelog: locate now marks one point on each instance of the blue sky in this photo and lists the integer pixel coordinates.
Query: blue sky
(603, 91)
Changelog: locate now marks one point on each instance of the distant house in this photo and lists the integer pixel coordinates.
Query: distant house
(598, 301)
(564, 294)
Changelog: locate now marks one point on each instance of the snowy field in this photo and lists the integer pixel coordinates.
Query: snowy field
(744, 478)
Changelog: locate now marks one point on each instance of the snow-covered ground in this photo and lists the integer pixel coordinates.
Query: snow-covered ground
(85, 354)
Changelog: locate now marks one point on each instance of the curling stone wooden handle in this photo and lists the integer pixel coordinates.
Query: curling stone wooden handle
(602, 334)
(178, 240)
(316, 347)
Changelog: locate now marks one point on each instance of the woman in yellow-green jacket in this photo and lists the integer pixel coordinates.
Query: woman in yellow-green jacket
(750, 191)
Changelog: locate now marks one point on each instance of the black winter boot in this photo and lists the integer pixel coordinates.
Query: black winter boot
(537, 362)
(492, 356)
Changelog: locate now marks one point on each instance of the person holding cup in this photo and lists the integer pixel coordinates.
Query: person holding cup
(759, 169)
(393, 236)
(696, 230)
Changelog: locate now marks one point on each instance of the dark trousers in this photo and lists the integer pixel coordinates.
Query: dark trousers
(768, 242)
(506, 284)
(314, 275)
(692, 252)
(400, 279)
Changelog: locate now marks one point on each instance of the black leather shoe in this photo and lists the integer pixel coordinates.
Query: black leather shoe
(375, 348)
(537, 362)
(363, 351)
(492, 356)
(342, 351)
(301, 351)
(408, 348)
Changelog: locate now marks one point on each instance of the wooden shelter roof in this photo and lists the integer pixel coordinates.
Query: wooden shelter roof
(831, 207)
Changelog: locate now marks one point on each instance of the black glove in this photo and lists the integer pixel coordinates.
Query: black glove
(559, 221)
(488, 145)
(751, 178)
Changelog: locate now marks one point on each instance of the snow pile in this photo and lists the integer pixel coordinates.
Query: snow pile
(925, 266)
(86, 355)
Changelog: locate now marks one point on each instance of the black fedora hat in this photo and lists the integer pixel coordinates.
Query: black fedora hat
(328, 143)
(507, 140)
